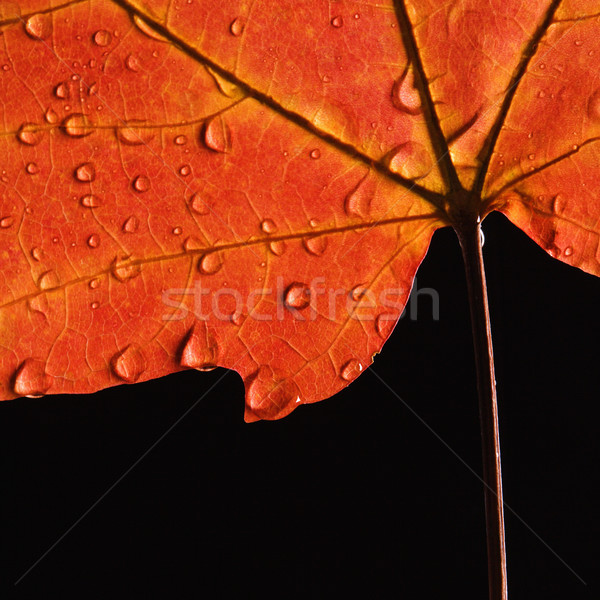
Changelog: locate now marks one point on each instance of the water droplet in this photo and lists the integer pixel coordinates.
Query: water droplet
(180, 140)
(198, 204)
(358, 201)
(216, 135)
(177, 230)
(128, 364)
(93, 241)
(225, 87)
(141, 184)
(39, 304)
(192, 243)
(315, 245)
(94, 284)
(85, 172)
(90, 201)
(39, 27)
(131, 133)
(124, 269)
(31, 379)
(37, 254)
(62, 91)
(337, 21)
(131, 224)
(132, 63)
(313, 223)
(358, 292)
(568, 251)
(6, 222)
(185, 170)
(48, 280)
(32, 168)
(95, 305)
(297, 296)
(541, 94)
(326, 79)
(200, 351)
(210, 263)
(268, 226)
(147, 29)
(237, 26)
(404, 95)
(411, 160)
(384, 324)
(558, 203)
(315, 154)
(76, 125)
(30, 134)
(269, 396)
(51, 116)
(357, 15)
(102, 38)
(351, 370)
(278, 247)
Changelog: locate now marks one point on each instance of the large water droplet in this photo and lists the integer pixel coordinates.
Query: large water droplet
(315, 245)
(128, 364)
(200, 351)
(6, 222)
(39, 27)
(39, 304)
(85, 172)
(210, 263)
(315, 153)
(278, 247)
(31, 379)
(268, 226)
(90, 201)
(192, 244)
(141, 184)
(358, 201)
(297, 296)
(102, 38)
(131, 224)
(411, 160)
(30, 134)
(404, 95)
(147, 29)
(131, 133)
(93, 240)
(594, 106)
(51, 116)
(216, 135)
(48, 280)
(124, 269)
(558, 203)
(76, 125)
(384, 323)
(132, 63)
(351, 370)
(198, 204)
(237, 26)
(337, 21)
(270, 397)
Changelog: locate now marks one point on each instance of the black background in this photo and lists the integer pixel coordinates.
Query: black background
(351, 494)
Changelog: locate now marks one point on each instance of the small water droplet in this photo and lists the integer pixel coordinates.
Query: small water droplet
(62, 91)
(210, 263)
(177, 230)
(326, 79)
(51, 116)
(531, 156)
(198, 204)
(124, 269)
(180, 140)
(90, 201)
(31, 379)
(337, 21)
(315, 154)
(237, 26)
(76, 125)
(315, 245)
(32, 168)
(200, 351)
(384, 324)
(278, 247)
(131, 224)
(542, 65)
(128, 364)
(102, 38)
(185, 170)
(297, 296)
(147, 29)
(558, 203)
(132, 63)
(358, 292)
(568, 251)
(6, 222)
(410, 160)
(132, 133)
(541, 94)
(39, 27)
(405, 96)
(94, 284)
(37, 254)
(93, 241)
(30, 134)
(269, 396)
(48, 280)
(313, 223)
(85, 172)
(268, 226)
(216, 135)
(141, 184)
(192, 243)
(94, 305)
(358, 201)
(351, 370)
(575, 147)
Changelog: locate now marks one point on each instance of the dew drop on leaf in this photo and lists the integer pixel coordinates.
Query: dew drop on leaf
(594, 106)
(198, 204)
(558, 203)
(30, 134)
(141, 184)
(85, 172)
(237, 26)
(358, 201)
(102, 38)
(411, 160)
(337, 21)
(31, 379)
(93, 241)
(200, 351)
(39, 27)
(90, 201)
(404, 95)
(62, 91)
(32, 168)
(270, 398)
(180, 140)
(384, 323)
(177, 231)
(278, 247)
(94, 284)
(76, 125)
(51, 116)
(147, 29)
(351, 370)
(94, 305)
(357, 292)
(37, 254)
(185, 170)
(124, 270)
(268, 226)
(297, 296)
(128, 364)
(568, 251)
(315, 245)
(315, 154)
(132, 63)
(210, 263)
(6, 222)
(48, 280)
(132, 134)
(192, 243)
(216, 135)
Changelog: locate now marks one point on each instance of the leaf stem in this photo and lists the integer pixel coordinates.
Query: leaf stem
(469, 235)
